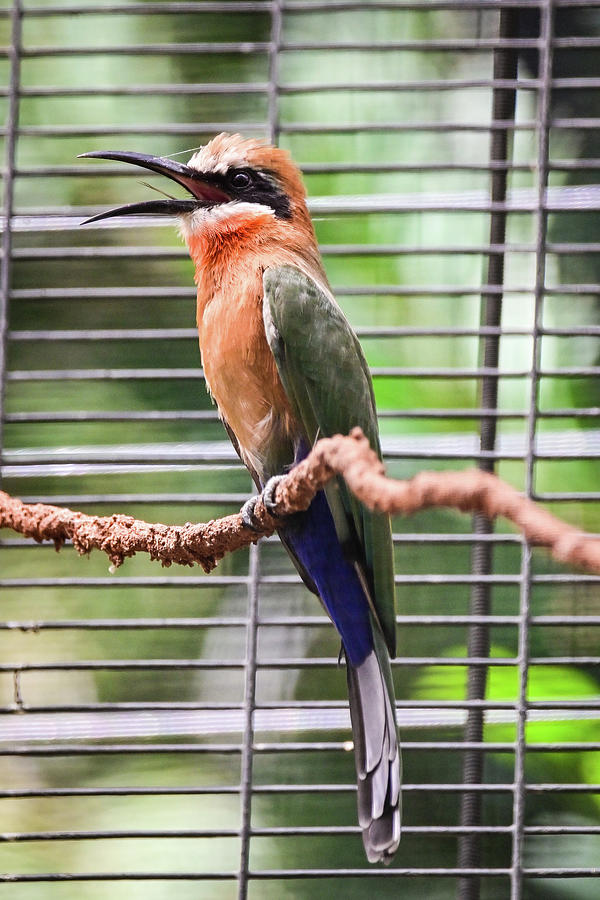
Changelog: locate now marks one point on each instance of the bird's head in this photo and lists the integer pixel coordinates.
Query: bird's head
(229, 180)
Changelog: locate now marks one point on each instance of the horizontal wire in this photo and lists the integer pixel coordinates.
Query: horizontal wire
(210, 581)
(315, 168)
(174, 48)
(575, 199)
(60, 877)
(196, 374)
(286, 874)
(248, 87)
(154, 499)
(123, 665)
(303, 830)
(247, 48)
(52, 726)
(141, 624)
(198, 89)
(88, 415)
(262, 747)
(291, 831)
(299, 831)
(199, 128)
(177, 253)
(429, 126)
(191, 334)
(556, 872)
(556, 165)
(150, 90)
(109, 834)
(424, 5)
(566, 496)
(291, 6)
(13, 469)
(583, 82)
(195, 790)
(308, 128)
(127, 292)
(120, 791)
(149, 9)
(36, 714)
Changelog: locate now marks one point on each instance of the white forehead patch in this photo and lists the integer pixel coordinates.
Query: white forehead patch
(207, 160)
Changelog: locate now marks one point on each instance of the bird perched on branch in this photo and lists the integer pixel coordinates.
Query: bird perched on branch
(285, 367)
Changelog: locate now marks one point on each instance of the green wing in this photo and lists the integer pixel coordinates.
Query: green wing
(326, 377)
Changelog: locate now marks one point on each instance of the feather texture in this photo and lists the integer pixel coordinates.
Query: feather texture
(377, 758)
(284, 367)
(345, 547)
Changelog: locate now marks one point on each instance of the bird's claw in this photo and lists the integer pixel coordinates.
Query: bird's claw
(248, 514)
(267, 495)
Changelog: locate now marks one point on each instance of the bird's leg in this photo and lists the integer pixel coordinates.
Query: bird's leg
(267, 495)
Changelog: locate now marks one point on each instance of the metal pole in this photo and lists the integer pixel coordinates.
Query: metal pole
(12, 126)
(254, 567)
(503, 109)
(543, 135)
(249, 705)
(276, 23)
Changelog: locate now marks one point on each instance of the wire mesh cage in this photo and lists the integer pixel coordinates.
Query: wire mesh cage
(167, 730)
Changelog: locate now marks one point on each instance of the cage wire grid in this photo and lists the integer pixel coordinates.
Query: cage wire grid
(162, 727)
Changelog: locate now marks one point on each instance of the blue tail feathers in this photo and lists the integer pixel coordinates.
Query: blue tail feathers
(312, 537)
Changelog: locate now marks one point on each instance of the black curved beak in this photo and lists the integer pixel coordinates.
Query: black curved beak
(205, 192)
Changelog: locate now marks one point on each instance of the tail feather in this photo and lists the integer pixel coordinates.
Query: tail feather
(377, 757)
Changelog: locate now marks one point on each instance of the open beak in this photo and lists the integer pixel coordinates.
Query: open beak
(203, 191)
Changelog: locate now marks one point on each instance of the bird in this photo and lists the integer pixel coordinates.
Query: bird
(284, 368)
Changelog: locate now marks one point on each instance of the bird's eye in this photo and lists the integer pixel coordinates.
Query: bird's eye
(240, 180)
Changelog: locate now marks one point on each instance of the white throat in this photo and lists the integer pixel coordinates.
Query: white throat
(225, 215)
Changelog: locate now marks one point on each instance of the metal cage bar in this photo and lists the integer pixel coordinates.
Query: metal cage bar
(543, 137)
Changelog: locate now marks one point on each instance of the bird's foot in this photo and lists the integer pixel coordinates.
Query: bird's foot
(248, 514)
(267, 495)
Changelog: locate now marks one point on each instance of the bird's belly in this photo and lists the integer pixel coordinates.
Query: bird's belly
(242, 377)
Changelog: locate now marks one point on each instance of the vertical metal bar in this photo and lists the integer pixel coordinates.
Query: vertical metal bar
(254, 564)
(543, 138)
(503, 109)
(249, 706)
(12, 127)
(276, 23)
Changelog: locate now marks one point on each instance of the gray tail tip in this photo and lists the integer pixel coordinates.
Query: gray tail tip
(382, 837)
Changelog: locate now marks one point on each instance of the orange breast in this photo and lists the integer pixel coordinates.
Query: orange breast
(238, 364)
(230, 255)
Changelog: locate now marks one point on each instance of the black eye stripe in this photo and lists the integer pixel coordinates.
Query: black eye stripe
(255, 186)
(252, 186)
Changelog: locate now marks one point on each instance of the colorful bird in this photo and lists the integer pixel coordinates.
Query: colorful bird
(285, 368)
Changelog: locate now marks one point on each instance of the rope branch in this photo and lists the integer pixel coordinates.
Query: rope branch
(205, 544)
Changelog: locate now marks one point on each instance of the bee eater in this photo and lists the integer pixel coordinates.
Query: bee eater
(285, 368)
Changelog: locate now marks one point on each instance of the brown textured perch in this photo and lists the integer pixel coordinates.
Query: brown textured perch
(470, 491)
